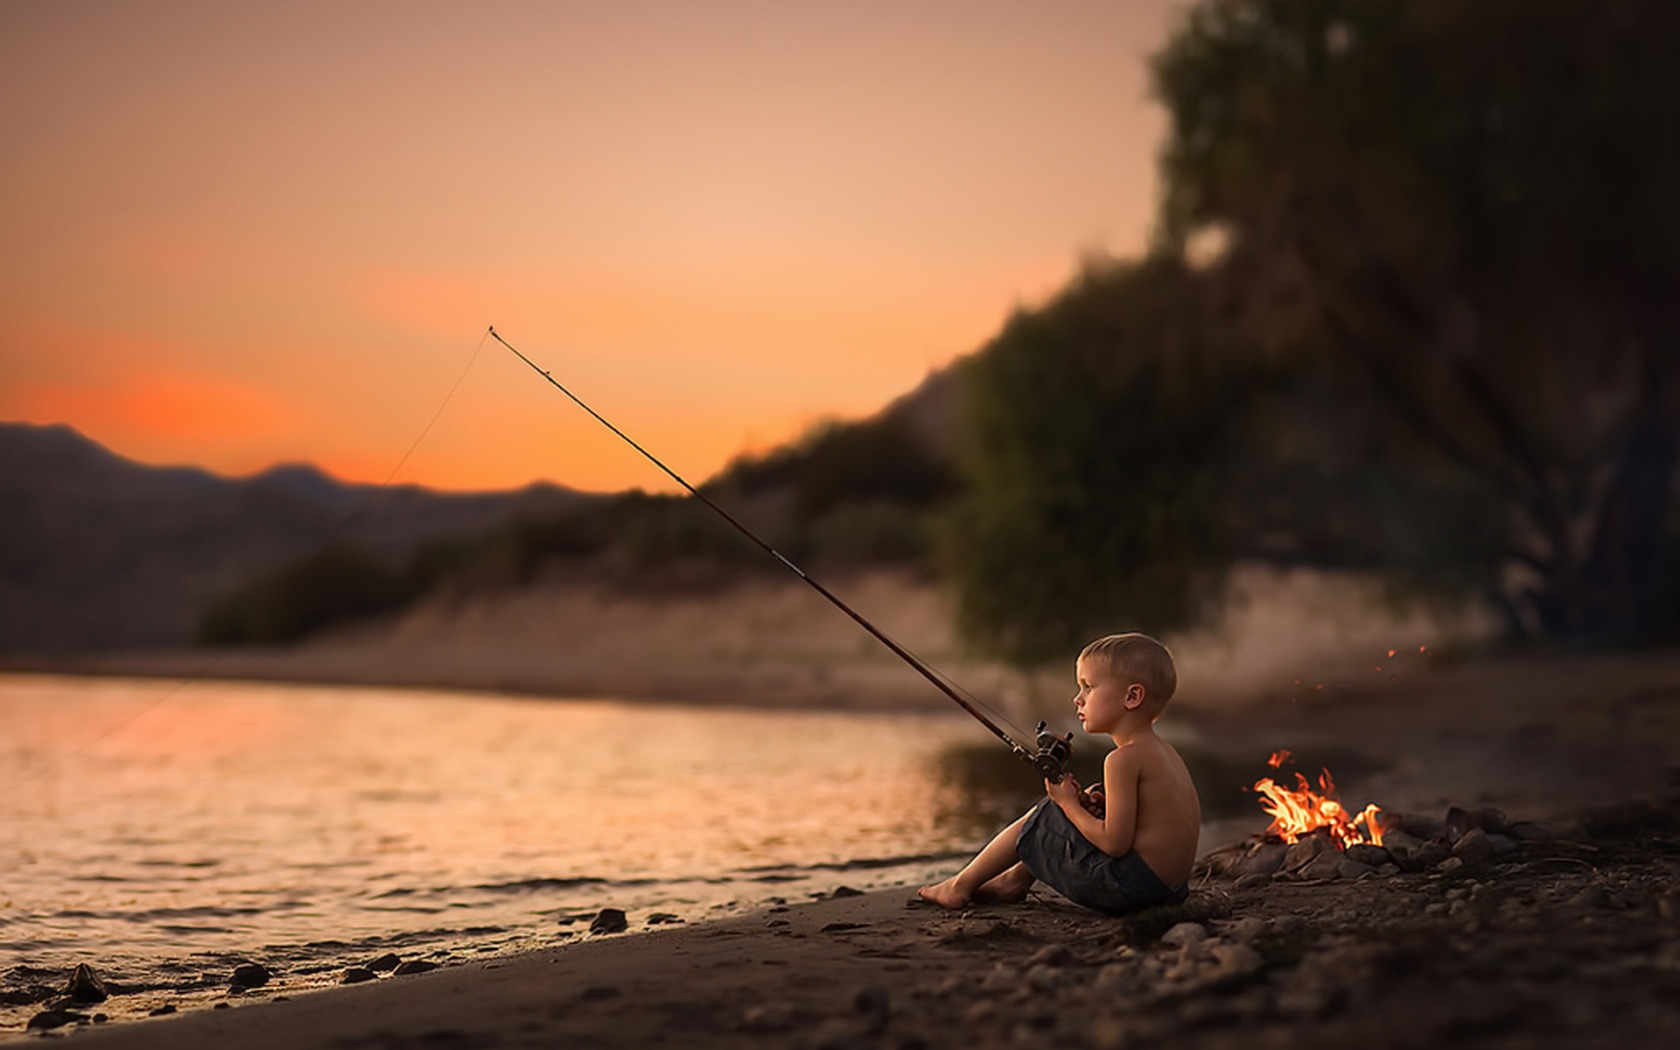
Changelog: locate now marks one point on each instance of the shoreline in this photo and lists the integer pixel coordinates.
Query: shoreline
(280, 667)
(1565, 944)
(1543, 949)
(773, 642)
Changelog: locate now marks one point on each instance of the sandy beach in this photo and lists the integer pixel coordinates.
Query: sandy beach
(1562, 944)
(1564, 938)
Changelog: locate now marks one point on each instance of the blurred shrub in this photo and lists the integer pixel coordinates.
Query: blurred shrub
(340, 583)
(880, 460)
(861, 534)
(658, 531)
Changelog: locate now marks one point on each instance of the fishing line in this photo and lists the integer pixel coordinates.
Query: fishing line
(1051, 752)
(969, 696)
(338, 531)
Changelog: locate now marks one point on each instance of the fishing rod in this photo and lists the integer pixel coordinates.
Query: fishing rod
(1050, 752)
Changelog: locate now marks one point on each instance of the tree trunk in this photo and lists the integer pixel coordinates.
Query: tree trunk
(1624, 584)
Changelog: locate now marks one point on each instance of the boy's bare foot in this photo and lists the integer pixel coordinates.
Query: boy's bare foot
(1009, 888)
(944, 894)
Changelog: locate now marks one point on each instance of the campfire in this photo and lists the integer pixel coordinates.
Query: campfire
(1303, 811)
(1314, 837)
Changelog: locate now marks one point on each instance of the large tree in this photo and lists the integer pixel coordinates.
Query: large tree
(1475, 202)
(1098, 429)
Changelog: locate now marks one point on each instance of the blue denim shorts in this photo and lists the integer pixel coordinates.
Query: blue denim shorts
(1056, 853)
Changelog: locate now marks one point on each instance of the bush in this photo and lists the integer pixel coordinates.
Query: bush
(860, 534)
(340, 583)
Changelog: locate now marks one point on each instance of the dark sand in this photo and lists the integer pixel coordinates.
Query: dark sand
(1561, 944)
(1568, 941)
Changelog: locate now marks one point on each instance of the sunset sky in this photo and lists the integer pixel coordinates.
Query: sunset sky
(244, 233)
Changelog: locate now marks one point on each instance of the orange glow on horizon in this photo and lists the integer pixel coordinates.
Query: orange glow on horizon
(275, 235)
(146, 414)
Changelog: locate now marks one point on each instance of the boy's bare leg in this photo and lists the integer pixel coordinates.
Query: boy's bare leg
(990, 863)
(1009, 888)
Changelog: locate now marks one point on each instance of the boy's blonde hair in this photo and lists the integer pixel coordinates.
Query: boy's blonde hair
(1139, 658)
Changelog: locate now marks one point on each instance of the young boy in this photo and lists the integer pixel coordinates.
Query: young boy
(1125, 846)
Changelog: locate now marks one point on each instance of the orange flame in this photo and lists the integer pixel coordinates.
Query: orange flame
(1303, 810)
(1279, 757)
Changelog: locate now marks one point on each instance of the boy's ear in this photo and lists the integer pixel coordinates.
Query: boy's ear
(1134, 696)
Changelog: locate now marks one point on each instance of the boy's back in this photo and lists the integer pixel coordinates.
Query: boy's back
(1169, 813)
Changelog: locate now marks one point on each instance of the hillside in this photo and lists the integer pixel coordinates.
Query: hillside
(100, 552)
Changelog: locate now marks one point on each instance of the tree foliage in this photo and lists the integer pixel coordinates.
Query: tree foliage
(1097, 430)
(1432, 312)
(1476, 200)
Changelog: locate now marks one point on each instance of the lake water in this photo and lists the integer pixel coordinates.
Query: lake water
(164, 832)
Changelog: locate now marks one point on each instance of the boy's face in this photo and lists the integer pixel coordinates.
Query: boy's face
(1103, 696)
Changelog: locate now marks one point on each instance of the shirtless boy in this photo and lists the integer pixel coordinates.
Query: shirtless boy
(1125, 846)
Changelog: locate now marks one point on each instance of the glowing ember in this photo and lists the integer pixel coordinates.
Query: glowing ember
(1302, 811)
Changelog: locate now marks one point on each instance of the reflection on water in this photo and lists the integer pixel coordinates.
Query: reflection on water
(310, 826)
(315, 827)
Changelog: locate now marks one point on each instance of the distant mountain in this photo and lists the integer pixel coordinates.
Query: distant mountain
(100, 552)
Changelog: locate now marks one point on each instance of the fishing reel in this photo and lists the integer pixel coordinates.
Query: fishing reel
(1052, 754)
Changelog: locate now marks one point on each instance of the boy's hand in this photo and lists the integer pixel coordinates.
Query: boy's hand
(1094, 801)
(1067, 792)
(1064, 792)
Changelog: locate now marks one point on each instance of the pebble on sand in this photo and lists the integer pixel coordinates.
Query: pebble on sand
(1247, 928)
(1185, 933)
(773, 1016)
(55, 1018)
(841, 927)
(1473, 846)
(609, 920)
(249, 975)
(85, 985)
(357, 975)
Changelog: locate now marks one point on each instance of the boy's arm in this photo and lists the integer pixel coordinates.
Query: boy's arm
(1113, 832)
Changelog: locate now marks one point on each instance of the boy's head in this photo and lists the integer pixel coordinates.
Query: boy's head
(1137, 658)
